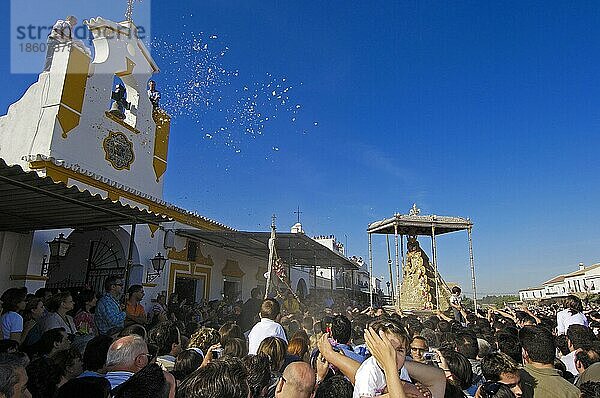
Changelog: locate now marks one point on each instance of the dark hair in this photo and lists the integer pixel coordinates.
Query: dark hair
(187, 361)
(164, 335)
(94, 356)
(496, 363)
(31, 305)
(134, 289)
(134, 329)
(65, 358)
(94, 387)
(230, 330)
(56, 300)
(587, 358)
(525, 318)
(335, 387)
(509, 344)
(341, 329)
(84, 297)
(539, 344)
(43, 378)
(580, 336)
(255, 293)
(49, 337)
(220, 378)
(460, 367)
(590, 389)
(11, 299)
(270, 309)
(7, 345)
(110, 281)
(148, 382)
(466, 344)
(443, 326)
(456, 289)
(493, 389)
(390, 325)
(41, 292)
(259, 373)
(573, 304)
(234, 347)
(562, 344)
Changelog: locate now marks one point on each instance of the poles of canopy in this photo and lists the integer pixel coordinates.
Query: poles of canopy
(403, 265)
(472, 263)
(371, 270)
(435, 267)
(397, 267)
(387, 238)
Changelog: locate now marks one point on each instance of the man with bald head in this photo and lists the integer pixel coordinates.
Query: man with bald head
(297, 381)
(125, 357)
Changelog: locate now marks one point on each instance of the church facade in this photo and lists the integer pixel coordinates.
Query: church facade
(71, 127)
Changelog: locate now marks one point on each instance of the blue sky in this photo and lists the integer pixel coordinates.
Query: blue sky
(487, 110)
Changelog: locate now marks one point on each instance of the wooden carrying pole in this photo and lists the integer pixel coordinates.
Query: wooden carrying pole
(271, 257)
(370, 271)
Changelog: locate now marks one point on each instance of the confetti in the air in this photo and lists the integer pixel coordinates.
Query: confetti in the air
(229, 109)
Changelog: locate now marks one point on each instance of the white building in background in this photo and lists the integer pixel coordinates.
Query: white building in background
(583, 280)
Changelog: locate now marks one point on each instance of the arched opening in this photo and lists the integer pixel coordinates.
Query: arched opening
(94, 255)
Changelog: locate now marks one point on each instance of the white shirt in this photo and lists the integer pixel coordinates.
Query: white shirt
(569, 361)
(263, 329)
(370, 379)
(11, 323)
(564, 319)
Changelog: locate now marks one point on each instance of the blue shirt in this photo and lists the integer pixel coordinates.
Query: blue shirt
(350, 353)
(117, 378)
(108, 314)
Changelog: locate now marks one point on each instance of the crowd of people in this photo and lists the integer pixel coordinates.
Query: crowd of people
(56, 345)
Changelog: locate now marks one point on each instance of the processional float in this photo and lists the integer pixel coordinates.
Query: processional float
(422, 287)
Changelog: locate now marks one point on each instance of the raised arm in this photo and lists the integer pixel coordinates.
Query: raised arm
(431, 377)
(347, 365)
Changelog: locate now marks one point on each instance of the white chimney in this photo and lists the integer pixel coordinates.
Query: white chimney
(581, 267)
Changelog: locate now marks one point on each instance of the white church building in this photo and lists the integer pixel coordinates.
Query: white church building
(81, 168)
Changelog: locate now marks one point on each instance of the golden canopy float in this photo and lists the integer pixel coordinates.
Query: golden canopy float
(418, 283)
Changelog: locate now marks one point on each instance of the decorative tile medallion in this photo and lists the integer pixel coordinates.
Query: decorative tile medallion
(118, 150)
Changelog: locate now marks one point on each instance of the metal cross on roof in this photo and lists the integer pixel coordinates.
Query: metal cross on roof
(414, 211)
(298, 212)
